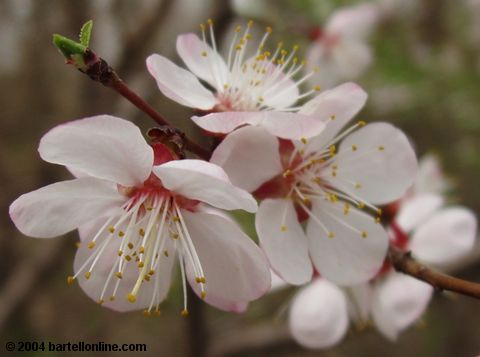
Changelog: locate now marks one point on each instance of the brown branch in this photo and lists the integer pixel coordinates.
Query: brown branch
(100, 71)
(404, 262)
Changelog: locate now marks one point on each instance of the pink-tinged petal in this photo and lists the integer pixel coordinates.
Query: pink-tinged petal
(247, 150)
(102, 146)
(430, 178)
(376, 164)
(206, 182)
(449, 235)
(354, 21)
(94, 285)
(179, 84)
(235, 269)
(63, 206)
(354, 250)
(417, 210)
(398, 302)
(336, 107)
(202, 60)
(290, 126)
(283, 241)
(318, 315)
(352, 57)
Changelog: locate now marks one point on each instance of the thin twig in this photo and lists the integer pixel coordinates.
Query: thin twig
(404, 262)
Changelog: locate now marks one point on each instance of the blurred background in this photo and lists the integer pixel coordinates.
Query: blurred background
(422, 74)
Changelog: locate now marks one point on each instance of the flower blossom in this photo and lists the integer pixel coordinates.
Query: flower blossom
(138, 210)
(436, 236)
(330, 184)
(257, 90)
(340, 49)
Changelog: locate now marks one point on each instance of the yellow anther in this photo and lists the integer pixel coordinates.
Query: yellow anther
(146, 313)
(132, 298)
(238, 47)
(91, 245)
(306, 200)
(226, 86)
(165, 253)
(146, 277)
(130, 245)
(354, 147)
(248, 37)
(261, 99)
(202, 27)
(362, 123)
(304, 140)
(141, 232)
(268, 29)
(361, 205)
(333, 117)
(317, 180)
(358, 185)
(121, 233)
(176, 219)
(151, 272)
(119, 274)
(331, 235)
(250, 23)
(346, 209)
(128, 258)
(203, 294)
(315, 69)
(70, 280)
(140, 264)
(200, 279)
(210, 22)
(101, 301)
(78, 244)
(379, 211)
(332, 149)
(204, 53)
(120, 253)
(317, 88)
(283, 228)
(112, 298)
(238, 29)
(184, 312)
(295, 48)
(364, 234)
(377, 220)
(174, 235)
(334, 173)
(141, 250)
(111, 229)
(287, 173)
(88, 274)
(381, 148)
(280, 45)
(157, 312)
(149, 208)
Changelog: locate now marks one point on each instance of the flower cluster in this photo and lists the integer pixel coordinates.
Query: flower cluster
(318, 183)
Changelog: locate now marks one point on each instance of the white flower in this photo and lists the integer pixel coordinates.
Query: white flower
(324, 182)
(257, 91)
(436, 236)
(340, 49)
(137, 213)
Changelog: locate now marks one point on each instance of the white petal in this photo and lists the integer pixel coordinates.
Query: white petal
(211, 68)
(384, 164)
(286, 250)
(354, 21)
(318, 315)
(247, 150)
(398, 302)
(336, 107)
(179, 84)
(93, 286)
(206, 182)
(235, 269)
(430, 178)
(63, 206)
(347, 258)
(446, 237)
(417, 210)
(277, 282)
(360, 303)
(102, 146)
(284, 125)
